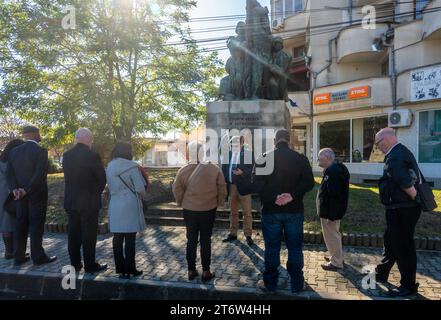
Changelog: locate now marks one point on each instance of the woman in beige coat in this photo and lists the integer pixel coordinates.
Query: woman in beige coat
(199, 188)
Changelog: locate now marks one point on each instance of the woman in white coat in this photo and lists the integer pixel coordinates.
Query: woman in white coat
(126, 217)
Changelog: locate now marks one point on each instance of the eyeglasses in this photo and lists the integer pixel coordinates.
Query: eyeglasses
(378, 142)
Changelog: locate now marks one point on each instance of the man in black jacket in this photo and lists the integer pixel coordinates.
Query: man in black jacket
(27, 178)
(332, 203)
(399, 196)
(237, 173)
(85, 180)
(282, 193)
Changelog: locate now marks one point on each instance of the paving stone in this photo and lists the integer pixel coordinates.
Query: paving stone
(161, 255)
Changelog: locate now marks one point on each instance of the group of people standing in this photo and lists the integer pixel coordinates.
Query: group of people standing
(200, 188)
(23, 181)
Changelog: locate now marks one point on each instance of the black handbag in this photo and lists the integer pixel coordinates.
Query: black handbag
(10, 205)
(425, 195)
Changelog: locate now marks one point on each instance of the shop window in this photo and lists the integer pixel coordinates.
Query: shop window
(363, 137)
(430, 137)
(299, 137)
(337, 136)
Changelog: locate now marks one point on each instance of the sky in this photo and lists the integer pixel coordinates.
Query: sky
(216, 8)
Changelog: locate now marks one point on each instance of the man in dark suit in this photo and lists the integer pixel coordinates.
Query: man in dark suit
(85, 180)
(27, 178)
(401, 200)
(237, 172)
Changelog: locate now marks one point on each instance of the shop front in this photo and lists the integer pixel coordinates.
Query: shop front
(346, 118)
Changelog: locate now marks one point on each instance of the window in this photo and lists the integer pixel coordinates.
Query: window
(298, 5)
(278, 10)
(430, 137)
(299, 137)
(337, 136)
(363, 138)
(419, 6)
(298, 52)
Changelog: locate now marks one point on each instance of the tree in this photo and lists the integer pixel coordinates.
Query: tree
(120, 72)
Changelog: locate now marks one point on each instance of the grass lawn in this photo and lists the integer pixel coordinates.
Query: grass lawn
(365, 213)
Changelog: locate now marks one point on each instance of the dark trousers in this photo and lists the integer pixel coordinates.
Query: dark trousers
(124, 252)
(399, 245)
(291, 224)
(83, 228)
(30, 219)
(199, 227)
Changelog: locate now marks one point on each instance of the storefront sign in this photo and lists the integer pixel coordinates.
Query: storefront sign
(362, 92)
(322, 98)
(425, 84)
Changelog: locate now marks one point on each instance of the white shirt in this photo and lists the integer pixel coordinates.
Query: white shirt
(234, 161)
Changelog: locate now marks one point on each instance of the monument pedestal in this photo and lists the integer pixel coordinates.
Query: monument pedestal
(257, 120)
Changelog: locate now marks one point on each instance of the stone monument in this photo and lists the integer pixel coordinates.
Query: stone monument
(253, 95)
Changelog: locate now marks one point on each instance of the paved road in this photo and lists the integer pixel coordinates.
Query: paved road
(161, 255)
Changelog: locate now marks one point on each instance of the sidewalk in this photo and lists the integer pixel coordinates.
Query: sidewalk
(161, 255)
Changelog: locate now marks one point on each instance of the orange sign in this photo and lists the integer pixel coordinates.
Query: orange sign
(322, 98)
(359, 92)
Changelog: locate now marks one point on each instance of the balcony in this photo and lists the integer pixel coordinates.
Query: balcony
(293, 25)
(371, 2)
(355, 44)
(432, 20)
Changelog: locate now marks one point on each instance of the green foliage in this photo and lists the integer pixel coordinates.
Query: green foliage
(116, 73)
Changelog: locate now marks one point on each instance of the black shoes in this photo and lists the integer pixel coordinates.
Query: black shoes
(403, 291)
(192, 275)
(127, 276)
(229, 238)
(78, 267)
(97, 268)
(45, 261)
(21, 262)
(380, 279)
(330, 267)
(207, 276)
(137, 273)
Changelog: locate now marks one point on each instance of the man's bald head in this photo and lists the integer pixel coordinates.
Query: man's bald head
(385, 139)
(84, 136)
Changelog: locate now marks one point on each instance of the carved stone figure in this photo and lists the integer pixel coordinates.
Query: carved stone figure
(278, 70)
(257, 67)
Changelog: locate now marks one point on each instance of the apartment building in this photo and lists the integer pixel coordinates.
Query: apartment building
(349, 79)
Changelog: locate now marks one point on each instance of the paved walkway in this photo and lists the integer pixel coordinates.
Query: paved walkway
(161, 255)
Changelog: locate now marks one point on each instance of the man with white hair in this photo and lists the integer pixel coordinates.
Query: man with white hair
(399, 196)
(332, 203)
(85, 180)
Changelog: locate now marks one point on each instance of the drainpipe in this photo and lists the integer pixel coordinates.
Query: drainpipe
(311, 92)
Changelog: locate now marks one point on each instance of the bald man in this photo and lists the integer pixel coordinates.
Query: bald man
(85, 180)
(399, 196)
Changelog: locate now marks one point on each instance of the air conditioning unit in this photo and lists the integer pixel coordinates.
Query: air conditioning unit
(277, 23)
(400, 118)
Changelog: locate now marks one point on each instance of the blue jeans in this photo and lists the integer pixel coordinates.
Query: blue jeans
(272, 226)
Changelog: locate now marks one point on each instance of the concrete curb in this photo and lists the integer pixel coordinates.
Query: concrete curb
(88, 287)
